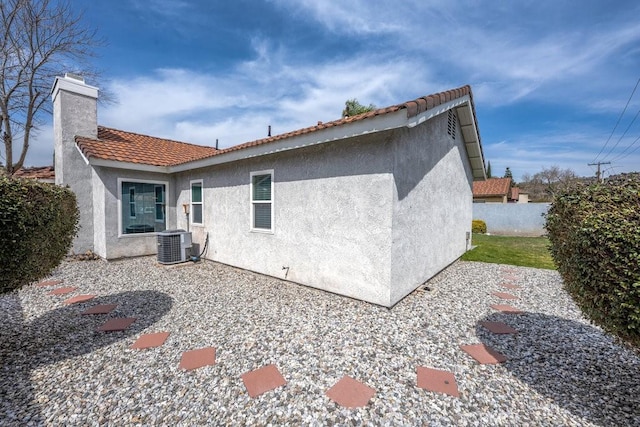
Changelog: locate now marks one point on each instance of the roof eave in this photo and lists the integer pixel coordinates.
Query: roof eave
(379, 123)
(366, 126)
(471, 137)
(129, 165)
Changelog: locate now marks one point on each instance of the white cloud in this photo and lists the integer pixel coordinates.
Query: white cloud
(268, 90)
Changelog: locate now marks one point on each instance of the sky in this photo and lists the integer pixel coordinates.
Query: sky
(550, 79)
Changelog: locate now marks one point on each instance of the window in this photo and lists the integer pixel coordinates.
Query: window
(132, 203)
(143, 206)
(159, 189)
(262, 201)
(196, 202)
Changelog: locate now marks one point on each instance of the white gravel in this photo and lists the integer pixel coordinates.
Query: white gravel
(58, 370)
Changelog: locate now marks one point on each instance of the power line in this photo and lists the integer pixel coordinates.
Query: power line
(622, 155)
(618, 122)
(622, 136)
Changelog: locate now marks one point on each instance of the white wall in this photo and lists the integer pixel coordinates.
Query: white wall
(432, 209)
(332, 216)
(75, 114)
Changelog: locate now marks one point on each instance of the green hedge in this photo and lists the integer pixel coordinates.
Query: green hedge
(478, 226)
(38, 222)
(595, 242)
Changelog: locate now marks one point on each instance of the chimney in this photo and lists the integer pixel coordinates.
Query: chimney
(75, 114)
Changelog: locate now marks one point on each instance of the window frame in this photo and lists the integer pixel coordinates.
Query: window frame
(191, 202)
(120, 201)
(252, 202)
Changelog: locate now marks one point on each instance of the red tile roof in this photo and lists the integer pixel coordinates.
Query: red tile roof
(492, 187)
(113, 144)
(39, 172)
(129, 147)
(515, 192)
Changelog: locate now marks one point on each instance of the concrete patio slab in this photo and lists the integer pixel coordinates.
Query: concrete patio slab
(437, 381)
(505, 308)
(483, 354)
(504, 295)
(79, 299)
(150, 340)
(194, 359)
(498, 327)
(262, 380)
(350, 393)
(118, 324)
(49, 283)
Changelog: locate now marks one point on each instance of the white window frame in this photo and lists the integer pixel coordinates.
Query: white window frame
(252, 202)
(119, 191)
(201, 203)
(162, 203)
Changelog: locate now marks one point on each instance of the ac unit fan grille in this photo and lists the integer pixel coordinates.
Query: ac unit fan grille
(169, 249)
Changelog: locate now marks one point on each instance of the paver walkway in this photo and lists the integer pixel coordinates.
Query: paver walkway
(347, 392)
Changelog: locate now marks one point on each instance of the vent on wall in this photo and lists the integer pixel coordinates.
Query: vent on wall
(451, 125)
(173, 246)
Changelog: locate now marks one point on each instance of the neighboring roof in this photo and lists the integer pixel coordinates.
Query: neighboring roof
(515, 193)
(492, 187)
(42, 173)
(119, 146)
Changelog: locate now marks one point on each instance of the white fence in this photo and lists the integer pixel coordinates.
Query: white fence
(512, 219)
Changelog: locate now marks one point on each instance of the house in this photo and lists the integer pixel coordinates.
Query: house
(40, 173)
(519, 196)
(498, 190)
(369, 206)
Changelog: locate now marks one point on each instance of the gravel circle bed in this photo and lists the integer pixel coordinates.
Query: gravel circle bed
(57, 369)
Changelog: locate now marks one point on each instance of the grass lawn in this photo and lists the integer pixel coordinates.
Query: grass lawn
(522, 251)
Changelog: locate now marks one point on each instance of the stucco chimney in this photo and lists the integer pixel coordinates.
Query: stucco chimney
(75, 113)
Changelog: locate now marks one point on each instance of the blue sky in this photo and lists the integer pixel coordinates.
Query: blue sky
(550, 78)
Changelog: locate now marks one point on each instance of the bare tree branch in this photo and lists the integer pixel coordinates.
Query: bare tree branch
(39, 40)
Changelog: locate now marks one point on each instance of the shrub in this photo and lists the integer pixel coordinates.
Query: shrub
(478, 226)
(595, 241)
(38, 222)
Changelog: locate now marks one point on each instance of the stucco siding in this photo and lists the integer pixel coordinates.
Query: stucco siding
(332, 216)
(99, 219)
(75, 114)
(116, 244)
(432, 204)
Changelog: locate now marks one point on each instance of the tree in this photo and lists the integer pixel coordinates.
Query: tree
(489, 170)
(352, 108)
(39, 40)
(544, 185)
(508, 174)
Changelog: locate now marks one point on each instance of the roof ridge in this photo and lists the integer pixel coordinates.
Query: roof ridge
(429, 101)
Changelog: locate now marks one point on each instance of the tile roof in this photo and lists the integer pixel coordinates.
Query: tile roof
(130, 147)
(118, 145)
(492, 187)
(39, 172)
(515, 193)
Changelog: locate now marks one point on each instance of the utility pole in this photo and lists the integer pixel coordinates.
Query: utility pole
(598, 164)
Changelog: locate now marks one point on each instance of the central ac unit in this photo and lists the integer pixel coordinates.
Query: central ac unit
(174, 246)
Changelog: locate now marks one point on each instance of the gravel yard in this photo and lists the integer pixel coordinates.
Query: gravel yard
(57, 369)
